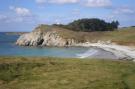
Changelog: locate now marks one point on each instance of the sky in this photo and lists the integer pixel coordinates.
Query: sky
(25, 15)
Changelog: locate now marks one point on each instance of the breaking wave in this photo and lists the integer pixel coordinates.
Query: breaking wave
(88, 53)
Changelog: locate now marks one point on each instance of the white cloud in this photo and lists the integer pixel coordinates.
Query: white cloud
(21, 15)
(21, 11)
(40, 1)
(98, 3)
(8, 19)
(57, 1)
(88, 3)
(3, 17)
(124, 10)
(76, 11)
(63, 1)
(122, 13)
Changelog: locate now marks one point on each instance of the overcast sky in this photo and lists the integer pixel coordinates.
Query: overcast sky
(25, 15)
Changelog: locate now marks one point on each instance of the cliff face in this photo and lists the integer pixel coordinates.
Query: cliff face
(45, 37)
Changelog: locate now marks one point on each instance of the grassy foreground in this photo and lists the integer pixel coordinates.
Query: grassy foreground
(56, 73)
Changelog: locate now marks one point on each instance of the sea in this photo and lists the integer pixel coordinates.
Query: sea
(9, 48)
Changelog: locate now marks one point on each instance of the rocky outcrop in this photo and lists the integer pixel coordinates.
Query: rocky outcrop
(40, 37)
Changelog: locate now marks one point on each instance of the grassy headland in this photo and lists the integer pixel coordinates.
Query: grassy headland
(56, 73)
(121, 36)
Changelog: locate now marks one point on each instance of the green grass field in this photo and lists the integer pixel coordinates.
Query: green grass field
(58, 73)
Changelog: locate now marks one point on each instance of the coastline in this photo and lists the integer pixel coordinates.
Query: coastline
(121, 52)
(15, 33)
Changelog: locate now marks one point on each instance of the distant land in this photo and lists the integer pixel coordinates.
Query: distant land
(15, 33)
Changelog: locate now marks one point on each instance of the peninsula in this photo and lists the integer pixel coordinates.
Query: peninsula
(85, 33)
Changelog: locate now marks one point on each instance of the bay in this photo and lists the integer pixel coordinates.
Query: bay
(8, 48)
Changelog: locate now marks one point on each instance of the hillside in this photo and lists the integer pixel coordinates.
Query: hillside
(45, 35)
(122, 36)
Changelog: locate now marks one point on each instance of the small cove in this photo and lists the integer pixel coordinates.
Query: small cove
(8, 48)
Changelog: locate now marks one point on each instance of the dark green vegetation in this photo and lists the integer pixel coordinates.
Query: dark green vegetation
(89, 25)
(56, 73)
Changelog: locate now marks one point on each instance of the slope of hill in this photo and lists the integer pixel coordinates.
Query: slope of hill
(45, 35)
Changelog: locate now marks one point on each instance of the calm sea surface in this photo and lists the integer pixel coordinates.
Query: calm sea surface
(8, 48)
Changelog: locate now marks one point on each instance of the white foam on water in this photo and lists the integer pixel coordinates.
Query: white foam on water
(86, 54)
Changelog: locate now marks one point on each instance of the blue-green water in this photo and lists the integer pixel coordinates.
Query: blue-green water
(8, 48)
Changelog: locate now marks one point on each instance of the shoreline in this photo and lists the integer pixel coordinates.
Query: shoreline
(121, 52)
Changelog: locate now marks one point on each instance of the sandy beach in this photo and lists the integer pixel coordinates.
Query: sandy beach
(121, 52)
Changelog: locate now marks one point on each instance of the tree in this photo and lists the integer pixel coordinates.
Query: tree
(115, 24)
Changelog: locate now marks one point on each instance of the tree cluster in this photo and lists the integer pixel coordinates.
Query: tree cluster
(88, 25)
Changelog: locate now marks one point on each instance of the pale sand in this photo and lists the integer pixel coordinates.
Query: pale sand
(119, 51)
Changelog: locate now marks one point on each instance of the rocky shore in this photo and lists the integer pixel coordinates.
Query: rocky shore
(45, 37)
(59, 37)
